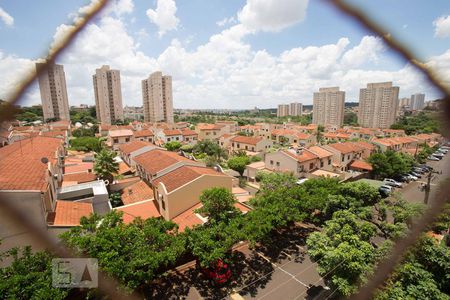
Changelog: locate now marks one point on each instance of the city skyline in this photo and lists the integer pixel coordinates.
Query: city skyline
(224, 60)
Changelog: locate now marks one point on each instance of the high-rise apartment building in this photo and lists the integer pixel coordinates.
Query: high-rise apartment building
(328, 106)
(404, 103)
(417, 101)
(295, 109)
(52, 86)
(157, 98)
(283, 110)
(108, 95)
(378, 105)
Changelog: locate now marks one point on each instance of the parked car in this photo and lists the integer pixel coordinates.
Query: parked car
(442, 150)
(392, 182)
(428, 168)
(384, 192)
(412, 177)
(402, 178)
(418, 175)
(420, 170)
(433, 158)
(437, 154)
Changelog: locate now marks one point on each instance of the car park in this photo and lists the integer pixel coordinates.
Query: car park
(402, 178)
(392, 182)
(412, 177)
(418, 175)
(433, 158)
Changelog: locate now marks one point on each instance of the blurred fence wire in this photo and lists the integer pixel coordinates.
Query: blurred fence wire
(107, 285)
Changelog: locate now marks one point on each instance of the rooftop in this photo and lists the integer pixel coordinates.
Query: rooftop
(133, 146)
(69, 213)
(21, 167)
(143, 209)
(143, 133)
(183, 175)
(157, 160)
(136, 192)
(120, 132)
(247, 139)
(302, 155)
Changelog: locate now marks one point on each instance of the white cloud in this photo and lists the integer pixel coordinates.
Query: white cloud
(368, 50)
(164, 16)
(442, 27)
(226, 21)
(272, 15)
(6, 18)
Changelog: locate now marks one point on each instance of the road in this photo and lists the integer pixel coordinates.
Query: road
(412, 192)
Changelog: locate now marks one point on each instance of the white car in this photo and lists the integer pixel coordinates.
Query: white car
(392, 182)
(433, 158)
(444, 151)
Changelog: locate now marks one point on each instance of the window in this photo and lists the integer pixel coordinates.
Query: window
(246, 147)
(343, 157)
(278, 163)
(329, 161)
(321, 163)
(177, 138)
(127, 140)
(311, 166)
(271, 162)
(116, 141)
(253, 149)
(163, 203)
(348, 156)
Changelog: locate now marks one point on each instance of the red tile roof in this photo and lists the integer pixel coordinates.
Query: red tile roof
(133, 146)
(172, 132)
(21, 167)
(184, 175)
(360, 164)
(188, 219)
(69, 213)
(143, 133)
(345, 147)
(80, 177)
(136, 192)
(120, 132)
(157, 160)
(304, 155)
(247, 139)
(188, 132)
(203, 126)
(144, 210)
(320, 152)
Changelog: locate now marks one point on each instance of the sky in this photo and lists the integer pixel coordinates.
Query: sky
(232, 54)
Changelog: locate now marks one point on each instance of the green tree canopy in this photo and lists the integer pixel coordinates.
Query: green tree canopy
(238, 163)
(390, 163)
(218, 204)
(105, 166)
(29, 276)
(86, 143)
(173, 145)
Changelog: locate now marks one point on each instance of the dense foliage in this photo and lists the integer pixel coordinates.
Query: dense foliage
(218, 205)
(80, 132)
(238, 163)
(350, 118)
(390, 163)
(29, 114)
(421, 123)
(133, 253)
(87, 116)
(29, 276)
(173, 145)
(105, 165)
(86, 143)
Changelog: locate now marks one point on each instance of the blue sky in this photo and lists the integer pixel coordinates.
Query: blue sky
(227, 54)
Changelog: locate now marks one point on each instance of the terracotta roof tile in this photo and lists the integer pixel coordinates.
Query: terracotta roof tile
(360, 164)
(80, 177)
(188, 132)
(157, 160)
(184, 175)
(143, 133)
(320, 152)
(144, 210)
(172, 132)
(120, 132)
(188, 218)
(133, 146)
(345, 147)
(136, 192)
(304, 155)
(247, 139)
(69, 213)
(21, 167)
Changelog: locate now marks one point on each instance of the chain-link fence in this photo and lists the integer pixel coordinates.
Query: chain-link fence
(108, 285)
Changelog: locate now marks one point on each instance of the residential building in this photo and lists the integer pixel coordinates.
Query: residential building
(295, 109)
(118, 137)
(344, 154)
(297, 161)
(144, 135)
(189, 136)
(132, 149)
(328, 106)
(283, 110)
(30, 174)
(250, 143)
(210, 131)
(378, 105)
(417, 101)
(157, 98)
(404, 103)
(53, 90)
(108, 95)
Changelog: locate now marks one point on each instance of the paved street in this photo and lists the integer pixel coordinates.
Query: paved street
(412, 193)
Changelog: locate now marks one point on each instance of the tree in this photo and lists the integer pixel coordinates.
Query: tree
(206, 146)
(115, 199)
(218, 205)
(350, 118)
(187, 148)
(173, 145)
(134, 253)
(424, 122)
(105, 165)
(80, 132)
(343, 251)
(390, 163)
(86, 143)
(29, 276)
(238, 163)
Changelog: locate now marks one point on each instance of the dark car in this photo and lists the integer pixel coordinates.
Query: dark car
(419, 170)
(427, 167)
(219, 272)
(417, 174)
(401, 178)
(384, 191)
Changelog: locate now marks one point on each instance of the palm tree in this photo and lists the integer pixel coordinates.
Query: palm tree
(105, 165)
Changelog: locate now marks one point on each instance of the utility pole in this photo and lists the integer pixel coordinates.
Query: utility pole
(428, 186)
